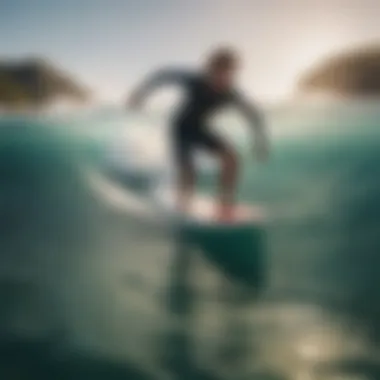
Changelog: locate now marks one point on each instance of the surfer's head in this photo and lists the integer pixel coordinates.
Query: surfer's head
(222, 65)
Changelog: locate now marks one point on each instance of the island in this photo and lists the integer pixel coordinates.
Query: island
(37, 83)
(353, 73)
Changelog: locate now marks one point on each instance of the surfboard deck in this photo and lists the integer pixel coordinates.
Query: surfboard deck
(202, 212)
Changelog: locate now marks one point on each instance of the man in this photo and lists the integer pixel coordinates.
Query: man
(208, 90)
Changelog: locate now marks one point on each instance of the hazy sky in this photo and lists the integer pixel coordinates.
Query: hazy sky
(111, 43)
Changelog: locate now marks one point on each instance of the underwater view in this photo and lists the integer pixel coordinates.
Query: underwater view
(85, 271)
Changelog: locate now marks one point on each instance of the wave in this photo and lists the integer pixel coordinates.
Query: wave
(103, 269)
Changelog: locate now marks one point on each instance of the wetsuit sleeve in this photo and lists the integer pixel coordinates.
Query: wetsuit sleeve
(249, 110)
(256, 120)
(160, 78)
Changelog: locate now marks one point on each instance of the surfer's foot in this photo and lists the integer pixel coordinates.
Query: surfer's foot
(225, 213)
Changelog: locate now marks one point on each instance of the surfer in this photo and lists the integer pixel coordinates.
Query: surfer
(207, 91)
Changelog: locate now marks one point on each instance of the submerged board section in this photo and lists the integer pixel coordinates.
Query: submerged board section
(235, 247)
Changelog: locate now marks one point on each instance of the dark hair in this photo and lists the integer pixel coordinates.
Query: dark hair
(222, 58)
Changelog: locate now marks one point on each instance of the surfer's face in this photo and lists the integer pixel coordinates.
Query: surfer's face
(222, 67)
(224, 77)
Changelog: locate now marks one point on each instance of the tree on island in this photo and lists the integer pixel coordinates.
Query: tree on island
(351, 73)
(36, 83)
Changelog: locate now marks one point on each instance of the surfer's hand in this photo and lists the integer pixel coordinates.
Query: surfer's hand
(134, 102)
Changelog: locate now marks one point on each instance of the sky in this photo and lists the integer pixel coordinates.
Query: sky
(111, 44)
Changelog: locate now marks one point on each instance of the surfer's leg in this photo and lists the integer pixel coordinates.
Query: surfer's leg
(185, 172)
(228, 179)
(228, 173)
(185, 186)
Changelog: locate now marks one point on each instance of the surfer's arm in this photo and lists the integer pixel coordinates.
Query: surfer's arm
(257, 122)
(157, 80)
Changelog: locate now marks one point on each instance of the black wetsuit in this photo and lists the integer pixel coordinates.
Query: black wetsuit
(190, 123)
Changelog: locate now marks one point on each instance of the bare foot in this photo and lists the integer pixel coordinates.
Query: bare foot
(225, 213)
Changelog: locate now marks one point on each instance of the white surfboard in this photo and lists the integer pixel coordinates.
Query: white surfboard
(159, 203)
(203, 211)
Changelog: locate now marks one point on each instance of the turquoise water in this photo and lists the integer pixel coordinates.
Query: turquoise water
(321, 194)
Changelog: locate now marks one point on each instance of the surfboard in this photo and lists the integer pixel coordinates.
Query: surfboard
(235, 247)
(202, 211)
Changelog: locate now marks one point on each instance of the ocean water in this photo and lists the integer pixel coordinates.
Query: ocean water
(79, 265)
